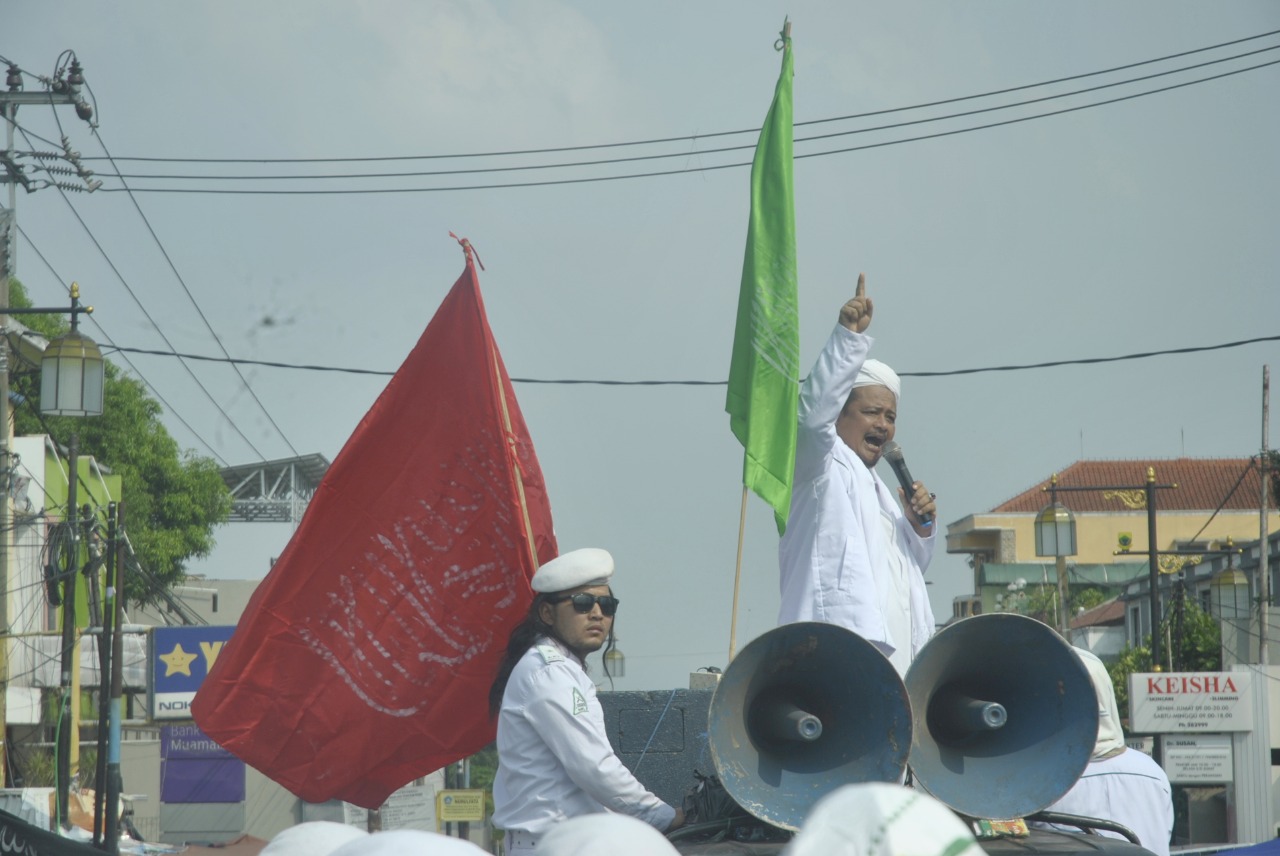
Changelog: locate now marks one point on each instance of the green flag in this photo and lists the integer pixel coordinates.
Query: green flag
(764, 384)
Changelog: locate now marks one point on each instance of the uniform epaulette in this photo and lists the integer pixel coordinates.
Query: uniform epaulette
(550, 653)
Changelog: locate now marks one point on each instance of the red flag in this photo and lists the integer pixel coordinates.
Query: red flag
(365, 657)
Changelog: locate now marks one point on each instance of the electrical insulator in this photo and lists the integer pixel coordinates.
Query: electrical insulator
(14, 78)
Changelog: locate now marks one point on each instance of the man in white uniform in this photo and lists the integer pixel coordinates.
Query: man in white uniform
(1120, 784)
(554, 757)
(850, 555)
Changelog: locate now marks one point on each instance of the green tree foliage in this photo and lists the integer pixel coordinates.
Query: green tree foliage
(1041, 602)
(1087, 598)
(173, 499)
(1198, 649)
(1197, 638)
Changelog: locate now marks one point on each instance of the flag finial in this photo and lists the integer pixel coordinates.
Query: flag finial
(784, 36)
(468, 250)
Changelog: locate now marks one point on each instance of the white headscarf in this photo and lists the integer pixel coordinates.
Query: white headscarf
(876, 373)
(1110, 732)
(408, 842)
(595, 834)
(313, 838)
(879, 819)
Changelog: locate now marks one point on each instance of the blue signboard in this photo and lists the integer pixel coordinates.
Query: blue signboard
(194, 769)
(181, 657)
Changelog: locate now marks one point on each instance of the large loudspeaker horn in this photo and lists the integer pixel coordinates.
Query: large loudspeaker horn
(802, 710)
(1004, 716)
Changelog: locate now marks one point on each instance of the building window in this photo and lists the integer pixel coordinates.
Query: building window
(1135, 626)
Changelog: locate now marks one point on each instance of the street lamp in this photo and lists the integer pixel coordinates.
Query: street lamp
(1229, 602)
(72, 375)
(71, 380)
(1134, 497)
(1056, 536)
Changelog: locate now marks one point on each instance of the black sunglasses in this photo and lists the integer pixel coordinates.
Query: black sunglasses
(583, 602)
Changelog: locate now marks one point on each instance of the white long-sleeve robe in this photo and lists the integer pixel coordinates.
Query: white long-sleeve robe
(835, 558)
(554, 757)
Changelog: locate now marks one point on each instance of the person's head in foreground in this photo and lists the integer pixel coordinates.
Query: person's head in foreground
(1110, 733)
(879, 819)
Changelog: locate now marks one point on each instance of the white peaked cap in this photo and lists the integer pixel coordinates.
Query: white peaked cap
(606, 833)
(313, 838)
(876, 373)
(879, 819)
(408, 842)
(589, 566)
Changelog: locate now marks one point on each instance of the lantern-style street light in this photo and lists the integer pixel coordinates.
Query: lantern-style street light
(1056, 536)
(1059, 533)
(71, 382)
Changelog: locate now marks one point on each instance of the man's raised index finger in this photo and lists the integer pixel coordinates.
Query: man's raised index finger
(862, 285)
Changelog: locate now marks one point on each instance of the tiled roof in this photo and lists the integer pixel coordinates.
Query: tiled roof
(1203, 485)
(1111, 612)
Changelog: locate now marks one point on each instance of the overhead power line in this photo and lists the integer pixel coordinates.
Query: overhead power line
(199, 311)
(568, 382)
(702, 136)
(682, 170)
(725, 149)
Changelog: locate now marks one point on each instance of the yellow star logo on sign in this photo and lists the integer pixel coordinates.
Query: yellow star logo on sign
(177, 661)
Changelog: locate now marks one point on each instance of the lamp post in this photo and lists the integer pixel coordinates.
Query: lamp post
(1230, 605)
(1135, 497)
(1056, 536)
(71, 384)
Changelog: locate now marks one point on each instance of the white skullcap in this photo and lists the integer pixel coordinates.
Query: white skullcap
(1110, 732)
(313, 838)
(589, 566)
(593, 834)
(408, 842)
(876, 373)
(879, 819)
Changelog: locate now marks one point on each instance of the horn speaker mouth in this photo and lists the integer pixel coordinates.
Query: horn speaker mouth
(802, 710)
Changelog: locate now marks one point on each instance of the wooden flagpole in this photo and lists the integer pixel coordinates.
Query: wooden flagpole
(506, 424)
(737, 579)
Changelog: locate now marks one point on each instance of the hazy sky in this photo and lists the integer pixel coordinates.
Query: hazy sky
(1144, 225)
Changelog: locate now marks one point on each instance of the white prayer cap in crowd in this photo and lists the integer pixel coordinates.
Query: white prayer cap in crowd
(879, 819)
(407, 842)
(594, 834)
(876, 373)
(589, 566)
(1110, 732)
(313, 838)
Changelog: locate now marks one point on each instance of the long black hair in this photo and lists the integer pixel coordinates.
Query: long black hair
(523, 635)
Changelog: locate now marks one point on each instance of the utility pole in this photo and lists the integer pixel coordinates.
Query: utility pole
(1264, 568)
(58, 90)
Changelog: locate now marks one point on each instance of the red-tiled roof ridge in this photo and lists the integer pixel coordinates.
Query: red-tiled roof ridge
(1203, 485)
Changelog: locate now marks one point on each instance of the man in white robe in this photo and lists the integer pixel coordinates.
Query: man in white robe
(851, 554)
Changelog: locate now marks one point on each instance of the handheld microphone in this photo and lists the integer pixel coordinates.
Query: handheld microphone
(893, 454)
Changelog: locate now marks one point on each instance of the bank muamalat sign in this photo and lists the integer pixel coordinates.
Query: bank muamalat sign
(1163, 702)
